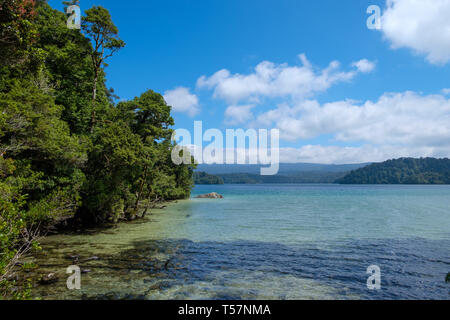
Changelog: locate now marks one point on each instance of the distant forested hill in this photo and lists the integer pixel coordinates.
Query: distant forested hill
(205, 178)
(288, 173)
(248, 178)
(292, 178)
(402, 171)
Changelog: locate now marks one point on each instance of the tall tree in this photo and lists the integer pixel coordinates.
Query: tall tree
(68, 68)
(99, 27)
(16, 30)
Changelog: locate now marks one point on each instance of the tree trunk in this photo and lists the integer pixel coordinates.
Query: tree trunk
(94, 89)
(141, 188)
(148, 205)
(94, 97)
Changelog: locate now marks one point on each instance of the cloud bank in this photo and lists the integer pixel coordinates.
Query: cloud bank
(395, 118)
(396, 125)
(270, 80)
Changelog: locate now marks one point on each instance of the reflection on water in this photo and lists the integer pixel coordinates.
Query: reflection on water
(302, 243)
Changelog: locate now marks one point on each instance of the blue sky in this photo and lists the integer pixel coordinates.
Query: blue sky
(392, 105)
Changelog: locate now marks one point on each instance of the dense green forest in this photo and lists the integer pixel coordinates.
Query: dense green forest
(69, 154)
(402, 171)
(205, 178)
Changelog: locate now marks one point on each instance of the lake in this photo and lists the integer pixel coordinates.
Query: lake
(267, 242)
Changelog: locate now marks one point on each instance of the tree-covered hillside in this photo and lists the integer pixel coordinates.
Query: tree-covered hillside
(205, 178)
(67, 150)
(402, 171)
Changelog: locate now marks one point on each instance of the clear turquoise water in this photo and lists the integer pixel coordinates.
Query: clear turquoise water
(290, 214)
(270, 242)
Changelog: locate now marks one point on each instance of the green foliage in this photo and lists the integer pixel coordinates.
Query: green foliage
(11, 291)
(131, 161)
(16, 238)
(69, 69)
(17, 31)
(46, 156)
(12, 221)
(402, 171)
(67, 153)
(113, 164)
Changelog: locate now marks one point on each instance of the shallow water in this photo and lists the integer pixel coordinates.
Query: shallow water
(267, 242)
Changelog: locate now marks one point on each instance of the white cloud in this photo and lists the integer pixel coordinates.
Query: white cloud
(238, 114)
(363, 154)
(421, 25)
(182, 100)
(398, 119)
(446, 91)
(364, 65)
(272, 80)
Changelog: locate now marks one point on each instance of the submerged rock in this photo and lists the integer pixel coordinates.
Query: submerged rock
(48, 279)
(92, 258)
(73, 257)
(212, 195)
